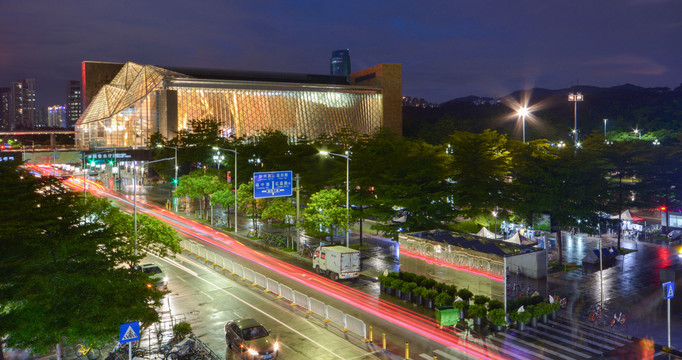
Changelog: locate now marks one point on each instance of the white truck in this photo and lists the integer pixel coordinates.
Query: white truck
(337, 262)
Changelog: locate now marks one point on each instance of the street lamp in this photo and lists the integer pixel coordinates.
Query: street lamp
(605, 120)
(347, 156)
(495, 228)
(218, 158)
(176, 168)
(235, 182)
(656, 142)
(135, 195)
(523, 112)
(638, 132)
(575, 98)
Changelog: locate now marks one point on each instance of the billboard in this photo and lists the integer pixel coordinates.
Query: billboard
(272, 184)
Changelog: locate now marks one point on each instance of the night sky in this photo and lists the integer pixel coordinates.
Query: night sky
(448, 49)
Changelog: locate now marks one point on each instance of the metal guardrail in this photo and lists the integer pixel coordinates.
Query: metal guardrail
(328, 313)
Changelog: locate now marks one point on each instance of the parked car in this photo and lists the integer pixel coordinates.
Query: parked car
(251, 339)
(675, 235)
(158, 277)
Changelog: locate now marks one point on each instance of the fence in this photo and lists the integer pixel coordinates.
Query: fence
(313, 306)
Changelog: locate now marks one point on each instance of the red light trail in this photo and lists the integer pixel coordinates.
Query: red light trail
(385, 310)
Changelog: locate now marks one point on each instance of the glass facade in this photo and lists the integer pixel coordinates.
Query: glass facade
(134, 106)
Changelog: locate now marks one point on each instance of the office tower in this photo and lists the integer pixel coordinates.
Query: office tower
(74, 103)
(4, 108)
(57, 116)
(22, 104)
(340, 63)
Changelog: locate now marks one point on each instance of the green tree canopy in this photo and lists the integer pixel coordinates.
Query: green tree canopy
(325, 213)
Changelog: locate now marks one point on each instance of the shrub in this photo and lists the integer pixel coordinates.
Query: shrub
(430, 294)
(465, 294)
(394, 275)
(495, 304)
(452, 290)
(382, 279)
(440, 287)
(556, 305)
(418, 291)
(428, 283)
(460, 305)
(481, 299)
(442, 299)
(543, 308)
(407, 276)
(534, 300)
(477, 311)
(497, 316)
(523, 317)
(532, 310)
(419, 279)
(397, 284)
(407, 287)
(181, 329)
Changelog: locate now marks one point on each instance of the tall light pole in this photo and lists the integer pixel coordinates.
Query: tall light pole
(235, 182)
(575, 98)
(638, 132)
(347, 156)
(605, 120)
(135, 195)
(495, 228)
(523, 112)
(176, 168)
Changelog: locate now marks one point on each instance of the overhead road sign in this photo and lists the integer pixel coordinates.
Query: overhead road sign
(272, 184)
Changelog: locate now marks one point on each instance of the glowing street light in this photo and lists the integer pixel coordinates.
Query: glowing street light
(638, 132)
(347, 156)
(523, 112)
(495, 228)
(235, 182)
(605, 120)
(656, 142)
(575, 98)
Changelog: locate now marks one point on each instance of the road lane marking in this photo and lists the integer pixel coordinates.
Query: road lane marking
(209, 296)
(262, 312)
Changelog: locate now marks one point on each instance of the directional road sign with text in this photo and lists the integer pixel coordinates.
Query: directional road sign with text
(272, 184)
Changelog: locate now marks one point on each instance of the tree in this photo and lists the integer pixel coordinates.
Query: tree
(248, 204)
(325, 213)
(480, 164)
(60, 279)
(279, 209)
(224, 196)
(198, 184)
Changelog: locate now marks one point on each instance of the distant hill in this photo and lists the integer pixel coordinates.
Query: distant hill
(625, 106)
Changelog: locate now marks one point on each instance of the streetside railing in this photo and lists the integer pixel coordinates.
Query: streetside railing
(313, 306)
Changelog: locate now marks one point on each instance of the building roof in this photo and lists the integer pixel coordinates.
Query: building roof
(267, 76)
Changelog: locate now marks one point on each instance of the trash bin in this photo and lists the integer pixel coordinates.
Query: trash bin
(447, 315)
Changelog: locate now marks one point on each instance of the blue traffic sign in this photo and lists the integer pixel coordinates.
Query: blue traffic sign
(272, 184)
(669, 289)
(129, 332)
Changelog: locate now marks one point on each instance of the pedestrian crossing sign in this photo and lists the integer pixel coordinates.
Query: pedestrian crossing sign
(669, 289)
(129, 332)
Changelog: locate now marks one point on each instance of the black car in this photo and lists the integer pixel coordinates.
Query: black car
(251, 339)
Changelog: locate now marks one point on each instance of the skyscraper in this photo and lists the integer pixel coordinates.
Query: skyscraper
(4, 108)
(22, 104)
(74, 103)
(340, 63)
(56, 117)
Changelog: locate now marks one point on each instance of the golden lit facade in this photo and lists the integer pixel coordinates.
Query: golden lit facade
(143, 100)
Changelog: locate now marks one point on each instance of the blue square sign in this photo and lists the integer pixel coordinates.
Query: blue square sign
(669, 288)
(272, 184)
(129, 332)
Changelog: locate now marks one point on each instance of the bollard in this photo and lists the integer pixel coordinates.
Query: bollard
(383, 340)
(435, 357)
(371, 335)
(407, 350)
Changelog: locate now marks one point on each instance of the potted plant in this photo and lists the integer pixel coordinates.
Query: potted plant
(460, 305)
(428, 283)
(481, 299)
(442, 299)
(555, 307)
(465, 294)
(534, 314)
(498, 318)
(418, 295)
(521, 318)
(389, 286)
(477, 312)
(397, 284)
(543, 309)
(429, 296)
(407, 289)
(382, 282)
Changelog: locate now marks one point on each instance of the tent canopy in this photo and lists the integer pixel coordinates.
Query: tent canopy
(628, 216)
(520, 240)
(484, 232)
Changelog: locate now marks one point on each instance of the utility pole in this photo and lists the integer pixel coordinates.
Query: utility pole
(298, 210)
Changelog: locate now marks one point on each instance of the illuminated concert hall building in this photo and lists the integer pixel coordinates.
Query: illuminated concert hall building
(126, 103)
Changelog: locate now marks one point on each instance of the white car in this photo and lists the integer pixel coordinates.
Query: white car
(158, 277)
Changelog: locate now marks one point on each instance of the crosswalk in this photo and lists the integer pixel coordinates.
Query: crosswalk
(559, 339)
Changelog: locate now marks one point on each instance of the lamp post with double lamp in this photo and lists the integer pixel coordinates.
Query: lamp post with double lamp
(347, 156)
(135, 194)
(176, 180)
(235, 182)
(522, 113)
(575, 98)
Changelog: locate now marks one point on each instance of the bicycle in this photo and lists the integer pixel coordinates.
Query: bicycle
(87, 351)
(595, 314)
(618, 319)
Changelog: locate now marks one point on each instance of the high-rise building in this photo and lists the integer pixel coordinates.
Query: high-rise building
(57, 116)
(22, 104)
(4, 108)
(74, 103)
(340, 63)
